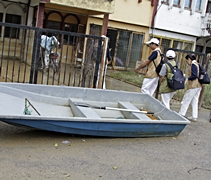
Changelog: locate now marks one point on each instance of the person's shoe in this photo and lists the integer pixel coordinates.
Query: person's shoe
(192, 119)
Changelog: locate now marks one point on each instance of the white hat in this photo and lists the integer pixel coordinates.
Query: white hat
(170, 54)
(153, 40)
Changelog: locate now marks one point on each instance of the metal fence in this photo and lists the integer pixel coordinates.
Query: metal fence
(46, 56)
(125, 46)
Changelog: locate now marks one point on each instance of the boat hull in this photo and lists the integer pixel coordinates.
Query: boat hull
(102, 129)
(78, 111)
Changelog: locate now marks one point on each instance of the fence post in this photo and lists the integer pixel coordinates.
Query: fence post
(33, 58)
(102, 70)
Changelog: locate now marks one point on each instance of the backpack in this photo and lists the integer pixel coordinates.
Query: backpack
(159, 66)
(204, 77)
(177, 80)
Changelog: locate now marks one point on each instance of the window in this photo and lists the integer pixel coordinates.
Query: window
(199, 48)
(174, 43)
(126, 46)
(136, 49)
(198, 5)
(54, 25)
(9, 31)
(177, 45)
(1, 17)
(165, 1)
(176, 2)
(187, 46)
(208, 7)
(70, 28)
(188, 4)
(165, 43)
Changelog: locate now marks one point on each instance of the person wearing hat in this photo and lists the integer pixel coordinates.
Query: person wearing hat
(151, 77)
(167, 93)
(194, 88)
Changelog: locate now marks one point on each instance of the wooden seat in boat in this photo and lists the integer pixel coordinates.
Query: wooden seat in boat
(80, 111)
(132, 115)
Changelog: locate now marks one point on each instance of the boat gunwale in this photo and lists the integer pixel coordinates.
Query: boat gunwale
(91, 120)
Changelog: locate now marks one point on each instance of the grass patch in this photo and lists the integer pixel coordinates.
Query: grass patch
(207, 94)
(127, 76)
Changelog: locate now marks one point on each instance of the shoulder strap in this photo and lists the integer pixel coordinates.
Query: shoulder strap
(161, 55)
(170, 65)
(199, 68)
(154, 63)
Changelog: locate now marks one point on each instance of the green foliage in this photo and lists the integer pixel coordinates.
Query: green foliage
(207, 95)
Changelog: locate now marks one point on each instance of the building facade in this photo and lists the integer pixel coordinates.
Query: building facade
(180, 24)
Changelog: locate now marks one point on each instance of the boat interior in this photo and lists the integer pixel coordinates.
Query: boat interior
(67, 102)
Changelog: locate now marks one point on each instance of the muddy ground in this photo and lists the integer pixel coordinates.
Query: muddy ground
(34, 154)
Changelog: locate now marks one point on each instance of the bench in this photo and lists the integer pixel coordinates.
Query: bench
(132, 115)
(80, 111)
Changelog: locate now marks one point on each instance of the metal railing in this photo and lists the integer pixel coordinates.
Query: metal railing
(74, 61)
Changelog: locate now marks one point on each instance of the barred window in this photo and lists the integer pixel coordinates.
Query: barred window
(188, 3)
(165, 1)
(175, 43)
(71, 28)
(187, 46)
(54, 25)
(166, 42)
(208, 7)
(125, 46)
(9, 31)
(198, 5)
(176, 2)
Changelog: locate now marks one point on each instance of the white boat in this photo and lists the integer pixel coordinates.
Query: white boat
(87, 111)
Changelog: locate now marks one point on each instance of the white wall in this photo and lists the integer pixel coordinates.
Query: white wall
(176, 21)
(173, 35)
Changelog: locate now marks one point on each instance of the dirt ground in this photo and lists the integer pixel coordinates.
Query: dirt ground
(34, 154)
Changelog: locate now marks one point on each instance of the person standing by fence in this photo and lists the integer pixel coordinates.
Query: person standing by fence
(194, 88)
(151, 77)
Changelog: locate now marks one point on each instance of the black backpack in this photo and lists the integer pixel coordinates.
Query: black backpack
(177, 81)
(159, 66)
(204, 77)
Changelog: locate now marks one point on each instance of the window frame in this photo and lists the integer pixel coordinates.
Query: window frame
(176, 4)
(53, 22)
(15, 31)
(72, 28)
(189, 6)
(208, 10)
(172, 41)
(165, 2)
(199, 9)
